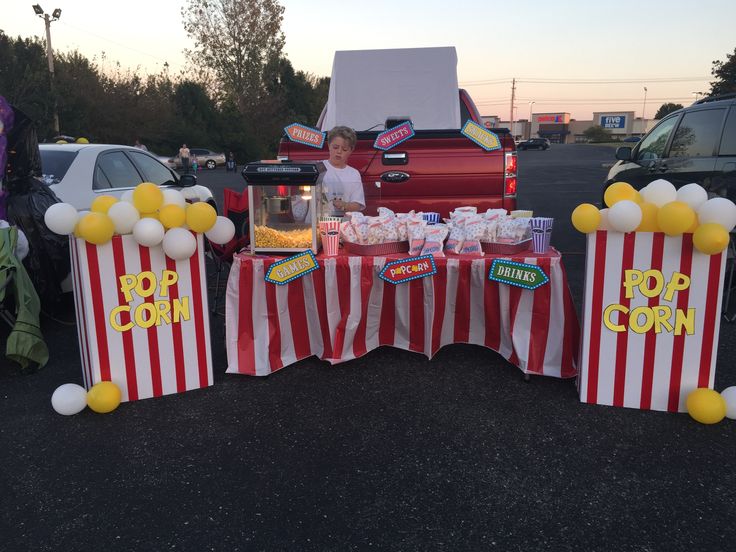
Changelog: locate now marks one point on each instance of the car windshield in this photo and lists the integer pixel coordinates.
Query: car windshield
(54, 165)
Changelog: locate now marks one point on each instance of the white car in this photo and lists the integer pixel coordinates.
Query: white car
(78, 173)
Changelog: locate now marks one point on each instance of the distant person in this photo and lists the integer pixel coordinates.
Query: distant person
(230, 164)
(184, 157)
(194, 162)
(139, 145)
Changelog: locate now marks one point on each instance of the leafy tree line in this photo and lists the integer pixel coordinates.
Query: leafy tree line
(163, 110)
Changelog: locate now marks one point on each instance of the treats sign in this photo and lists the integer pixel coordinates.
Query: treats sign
(643, 319)
(522, 275)
(398, 272)
(291, 268)
(483, 137)
(152, 312)
(305, 135)
(394, 136)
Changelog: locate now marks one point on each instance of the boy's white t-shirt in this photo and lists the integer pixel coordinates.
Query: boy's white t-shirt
(344, 184)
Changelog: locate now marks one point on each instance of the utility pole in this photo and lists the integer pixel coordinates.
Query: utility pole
(48, 19)
(644, 107)
(513, 98)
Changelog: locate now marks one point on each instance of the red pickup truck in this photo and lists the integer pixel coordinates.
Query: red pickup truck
(435, 170)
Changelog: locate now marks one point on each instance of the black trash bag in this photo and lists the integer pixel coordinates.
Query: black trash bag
(28, 198)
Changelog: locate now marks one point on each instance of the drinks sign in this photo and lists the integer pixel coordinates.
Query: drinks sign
(527, 276)
(291, 268)
(483, 137)
(394, 136)
(305, 135)
(405, 270)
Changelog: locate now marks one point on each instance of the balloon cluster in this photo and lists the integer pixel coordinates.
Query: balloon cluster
(70, 398)
(710, 407)
(152, 215)
(659, 207)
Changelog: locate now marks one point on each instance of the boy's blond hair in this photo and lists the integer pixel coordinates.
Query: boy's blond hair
(346, 133)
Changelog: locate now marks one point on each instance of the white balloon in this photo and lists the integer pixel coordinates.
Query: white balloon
(692, 194)
(660, 192)
(719, 210)
(624, 216)
(174, 197)
(124, 215)
(222, 232)
(127, 196)
(729, 395)
(148, 232)
(69, 399)
(605, 224)
(61, 218)
(179, 244)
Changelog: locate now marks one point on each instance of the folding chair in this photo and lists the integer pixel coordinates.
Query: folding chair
(235, 207)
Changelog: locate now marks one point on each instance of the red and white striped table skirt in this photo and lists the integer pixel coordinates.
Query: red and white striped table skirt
(634, 352)
(343, 310)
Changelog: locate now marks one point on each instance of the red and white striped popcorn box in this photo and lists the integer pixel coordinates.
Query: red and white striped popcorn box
(142, 318)
(651, 317)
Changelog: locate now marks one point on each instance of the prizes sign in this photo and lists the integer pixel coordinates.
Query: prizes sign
(305, 135)
(394, 136)
(483, 137)
(405, 270)
(291, 268)
(651, 316)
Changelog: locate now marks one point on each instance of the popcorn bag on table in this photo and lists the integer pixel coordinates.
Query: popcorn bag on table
(651, 317)
(142, 318)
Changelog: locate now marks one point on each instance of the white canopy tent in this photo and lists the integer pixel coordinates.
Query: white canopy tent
(370, 86)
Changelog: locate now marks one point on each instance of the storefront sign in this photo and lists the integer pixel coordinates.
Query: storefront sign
(405, 270)
(394, 136)
(613, 121)
(305, 135)
(483, 137)
(291, 268)
(522, 275)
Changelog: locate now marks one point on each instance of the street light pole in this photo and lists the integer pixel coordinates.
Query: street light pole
(644, 108)
(48, 19)
(530, 119)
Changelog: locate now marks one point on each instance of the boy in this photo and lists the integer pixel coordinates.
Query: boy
(342, 185)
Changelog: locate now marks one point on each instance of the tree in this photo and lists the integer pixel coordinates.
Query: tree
(236, 40)
(597, 133)
(667, 108)
(725, 73)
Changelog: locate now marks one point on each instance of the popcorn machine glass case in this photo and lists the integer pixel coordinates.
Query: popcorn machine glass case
(285, 202)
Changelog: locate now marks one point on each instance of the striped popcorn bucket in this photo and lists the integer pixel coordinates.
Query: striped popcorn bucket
(651, 317)
(142, 318)
(431, 218)
(541, 233)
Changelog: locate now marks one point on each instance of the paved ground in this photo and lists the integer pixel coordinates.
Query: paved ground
(387, 452)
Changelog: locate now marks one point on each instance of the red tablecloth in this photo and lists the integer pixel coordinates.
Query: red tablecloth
(343, 310)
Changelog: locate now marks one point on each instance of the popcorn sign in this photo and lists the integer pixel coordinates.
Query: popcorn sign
(651, 316)
(405, 270)
(142, 317)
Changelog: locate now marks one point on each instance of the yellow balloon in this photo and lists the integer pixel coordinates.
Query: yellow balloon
(706, 406)
(694, 227)
(82, 140)
(102, 203)
(710, 238)
(648, 218)
(62, 142)
(147, 197)
(96, 228)
(675, 217)
(586, 218)
(201, 216)
(638, 198)
(172, 216)
(618, 191)
(154, 215)
(104, 397)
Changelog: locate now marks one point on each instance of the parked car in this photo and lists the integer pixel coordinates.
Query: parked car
(205, 158)
(693, 144)
(78, 173)
(534, 143)
(164, 160)
(632, 139)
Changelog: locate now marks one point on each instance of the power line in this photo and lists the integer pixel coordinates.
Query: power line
(541, 80)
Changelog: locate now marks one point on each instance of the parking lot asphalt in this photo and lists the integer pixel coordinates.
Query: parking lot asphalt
(386, 452)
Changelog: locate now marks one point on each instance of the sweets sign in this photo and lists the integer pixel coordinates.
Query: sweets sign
(394, 136)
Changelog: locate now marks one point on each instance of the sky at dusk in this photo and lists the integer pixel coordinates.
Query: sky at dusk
(573, 56)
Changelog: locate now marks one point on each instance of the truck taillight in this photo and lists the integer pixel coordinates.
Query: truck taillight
(509, 175)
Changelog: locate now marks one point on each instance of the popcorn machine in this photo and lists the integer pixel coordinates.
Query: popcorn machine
(286, 203)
